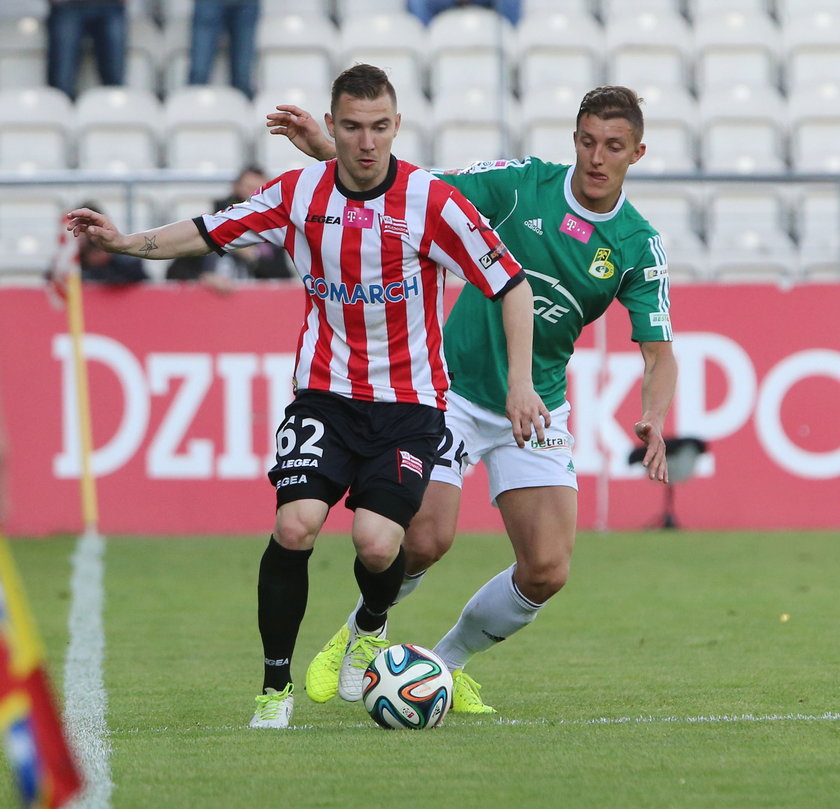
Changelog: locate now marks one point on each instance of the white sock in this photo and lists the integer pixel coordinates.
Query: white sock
(493, 614)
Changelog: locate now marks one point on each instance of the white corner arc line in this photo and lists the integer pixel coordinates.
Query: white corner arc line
(85, 700)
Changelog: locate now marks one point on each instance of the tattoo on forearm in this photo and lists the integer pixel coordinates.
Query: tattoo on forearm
(151, 244)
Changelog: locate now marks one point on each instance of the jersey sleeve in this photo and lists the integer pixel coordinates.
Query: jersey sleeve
(253, 221)
(490, 185)
(463, 242)
(645, 292)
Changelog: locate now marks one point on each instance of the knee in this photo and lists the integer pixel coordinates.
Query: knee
(293, 532)
(376, 556)
(541, 579)
(424, 548)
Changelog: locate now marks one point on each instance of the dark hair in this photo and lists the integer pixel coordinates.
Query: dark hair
(613, 101)
(362, 81)
(250, 168)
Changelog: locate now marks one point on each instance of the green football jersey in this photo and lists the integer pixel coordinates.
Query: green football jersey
(577, 263)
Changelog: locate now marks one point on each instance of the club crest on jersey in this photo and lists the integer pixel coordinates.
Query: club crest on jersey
(398, 227)
(601, 267)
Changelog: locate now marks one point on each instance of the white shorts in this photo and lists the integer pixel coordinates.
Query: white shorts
(474, 434)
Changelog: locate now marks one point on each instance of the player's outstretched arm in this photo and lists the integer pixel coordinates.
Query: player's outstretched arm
(302, 130)
(658, 384)
(168, 241)
(524, 407)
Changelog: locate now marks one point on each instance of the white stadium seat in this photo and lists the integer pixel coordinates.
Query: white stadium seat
(36, 125)
(748, 236)
(817, 214)
(744, 130)
(30, 220)
(470, 47)
(811, 44)
(558, 48)
(548, 122)
(648, 48)
(470, 126)
(207, 129)
(736, 45)
(118, 129)
(697, 9)
(23, 52)
(395, 42)
(670, 114)
(299, 46)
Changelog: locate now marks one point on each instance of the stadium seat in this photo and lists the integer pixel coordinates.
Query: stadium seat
(30, 219)
(395, 42)
(744, 130)
(811, 45)
(548, 122)
(648, 48)
(789, 10)
(470, 47)
(815, 139)
(736, 44)
(556, 49)
(175, 10)
(275, 153)
(574, 8)
(748, 233)
(347, 10)
(207, 129)
(23, 52)
(697, 9)
(472, 125)
(299, 46)
(674, 212)
(611, 8)
(817, 214)
(118, 129)
(670, 119)
(36, 125)
(282, 8)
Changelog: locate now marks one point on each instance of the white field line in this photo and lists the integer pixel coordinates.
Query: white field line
(458, 722)
(85, 700)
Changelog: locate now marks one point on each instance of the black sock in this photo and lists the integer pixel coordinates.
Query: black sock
(281, 603)
(378, 592)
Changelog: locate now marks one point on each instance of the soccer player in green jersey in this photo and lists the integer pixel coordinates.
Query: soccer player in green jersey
(583, 245)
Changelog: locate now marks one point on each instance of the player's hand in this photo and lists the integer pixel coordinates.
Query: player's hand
(527, 413)
(301, 129)
(654, 461)
(97, 227)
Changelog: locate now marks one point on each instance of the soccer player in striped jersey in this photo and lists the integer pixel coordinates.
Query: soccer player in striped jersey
(583, 245)
(370, 237)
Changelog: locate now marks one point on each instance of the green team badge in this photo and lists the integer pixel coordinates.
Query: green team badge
(600, 266)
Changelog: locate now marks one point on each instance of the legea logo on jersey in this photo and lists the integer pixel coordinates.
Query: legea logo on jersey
(601, 267)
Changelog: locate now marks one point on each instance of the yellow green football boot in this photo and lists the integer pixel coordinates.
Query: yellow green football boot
(465, 697)
(322, 674)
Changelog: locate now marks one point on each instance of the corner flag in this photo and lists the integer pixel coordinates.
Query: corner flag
(29, 723)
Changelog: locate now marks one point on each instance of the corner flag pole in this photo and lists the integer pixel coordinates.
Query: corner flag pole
(75, 317)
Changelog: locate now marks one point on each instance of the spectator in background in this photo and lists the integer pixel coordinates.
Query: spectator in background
(69, 23)
(256, 261)
(238, 18)
(424, 10)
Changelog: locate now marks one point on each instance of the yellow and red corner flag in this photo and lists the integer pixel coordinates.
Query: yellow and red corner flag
(29, 722)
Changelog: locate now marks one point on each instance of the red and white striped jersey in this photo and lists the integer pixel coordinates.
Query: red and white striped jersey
(372, 264)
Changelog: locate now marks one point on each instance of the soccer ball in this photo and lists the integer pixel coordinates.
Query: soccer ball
(407, 686)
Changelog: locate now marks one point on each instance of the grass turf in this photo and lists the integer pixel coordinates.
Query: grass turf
(663, 676)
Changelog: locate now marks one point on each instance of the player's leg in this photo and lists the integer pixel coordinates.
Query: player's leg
(386, 493)
(428, 536)
(536, 491)
(306, 490)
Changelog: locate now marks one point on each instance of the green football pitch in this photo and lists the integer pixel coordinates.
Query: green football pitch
(676, 670)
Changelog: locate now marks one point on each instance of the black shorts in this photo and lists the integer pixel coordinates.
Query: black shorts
(382, 452)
